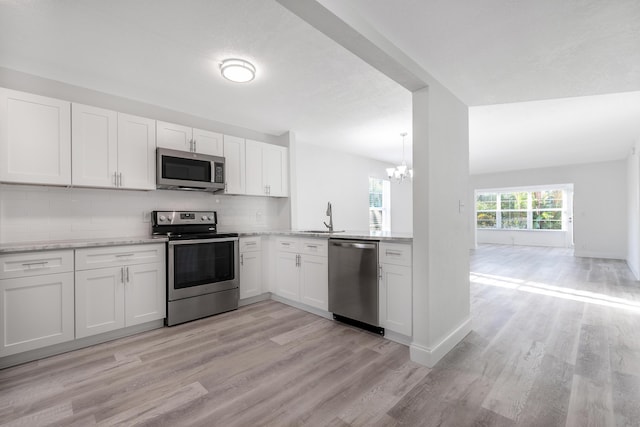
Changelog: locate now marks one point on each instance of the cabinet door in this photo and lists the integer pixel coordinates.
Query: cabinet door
(395, 299)
(35, 139)
(99, 301)
(136, 152)
(94, 132)
(36, 312)
(314, 281)
(234, 155)
(176, 137)
(254, 183)
(287, 275)
(145, 293)
(275, 170)
(207, 142)
(250, 274)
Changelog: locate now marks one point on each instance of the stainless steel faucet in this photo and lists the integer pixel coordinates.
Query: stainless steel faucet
(330, 215)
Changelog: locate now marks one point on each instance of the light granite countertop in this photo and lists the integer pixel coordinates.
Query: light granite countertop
(6, 248)
(52, 245)
(347, 234)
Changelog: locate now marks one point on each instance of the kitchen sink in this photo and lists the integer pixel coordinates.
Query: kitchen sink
(321, 231)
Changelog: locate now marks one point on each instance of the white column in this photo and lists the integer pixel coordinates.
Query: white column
(441, 310)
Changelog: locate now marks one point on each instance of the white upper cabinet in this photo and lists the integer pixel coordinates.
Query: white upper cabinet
(267, 169)
(95, 146)
(207, 142)
(184, 138)
(136, 152)
(35, 139)
(275, 170)
(253, 157)
(112, 149)
(234, 163)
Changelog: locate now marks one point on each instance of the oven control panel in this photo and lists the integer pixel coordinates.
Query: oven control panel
(183, 217)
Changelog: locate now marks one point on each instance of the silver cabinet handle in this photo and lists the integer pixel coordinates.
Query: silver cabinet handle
(128, 275)
(297, 260)
(250, 243)
(226, 187)
(191, 145)
(115, 179)
(269, 190)
(195, 146)
(312, 246)
(396, 253)
(120, 179)
(241, 259)
(123, 255)
(42, 264)
(380, 272)
(121, 274)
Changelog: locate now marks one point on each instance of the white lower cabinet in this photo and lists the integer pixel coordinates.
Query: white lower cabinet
(250, 267)
(314, 279)
(99, 301)
(110, 297)
(396, 288)
(36, 297)
(302, 271)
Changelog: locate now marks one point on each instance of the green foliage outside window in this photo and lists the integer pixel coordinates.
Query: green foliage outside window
(521, 210)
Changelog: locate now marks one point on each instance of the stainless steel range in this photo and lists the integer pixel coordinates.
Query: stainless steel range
(202, 265)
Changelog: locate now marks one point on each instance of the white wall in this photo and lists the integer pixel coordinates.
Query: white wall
(599, 203)
(633, 210)
(34, 213)
(323, 175)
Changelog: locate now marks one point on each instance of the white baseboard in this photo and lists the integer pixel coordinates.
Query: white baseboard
(302, 306)
(252, 300)
(429, 356)
(41, 353)
(591, 254)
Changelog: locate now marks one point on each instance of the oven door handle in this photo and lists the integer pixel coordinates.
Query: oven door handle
(197, 241)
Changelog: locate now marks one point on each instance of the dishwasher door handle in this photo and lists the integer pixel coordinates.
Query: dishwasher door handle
(355, 245)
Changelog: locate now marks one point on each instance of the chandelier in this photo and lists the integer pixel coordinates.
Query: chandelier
(400, 172)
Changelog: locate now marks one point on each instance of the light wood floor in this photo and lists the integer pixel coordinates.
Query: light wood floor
(555, 341)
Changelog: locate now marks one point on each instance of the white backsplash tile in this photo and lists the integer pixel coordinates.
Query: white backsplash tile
(37, 213)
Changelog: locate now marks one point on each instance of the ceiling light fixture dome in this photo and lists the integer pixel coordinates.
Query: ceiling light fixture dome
(237, 70)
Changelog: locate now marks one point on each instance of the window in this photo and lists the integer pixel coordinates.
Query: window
(520, 210)
(379, 199)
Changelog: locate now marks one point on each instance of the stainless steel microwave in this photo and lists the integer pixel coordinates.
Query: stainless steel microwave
(182, 170)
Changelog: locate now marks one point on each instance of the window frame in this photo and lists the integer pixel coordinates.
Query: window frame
(385, 209)
(530, 210)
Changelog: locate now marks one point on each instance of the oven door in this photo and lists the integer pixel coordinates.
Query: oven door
(201, 266)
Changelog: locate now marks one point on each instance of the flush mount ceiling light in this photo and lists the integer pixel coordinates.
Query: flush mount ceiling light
(400, 172)
(237, 70)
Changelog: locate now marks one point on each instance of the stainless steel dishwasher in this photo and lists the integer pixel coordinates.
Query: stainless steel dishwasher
(353, 282)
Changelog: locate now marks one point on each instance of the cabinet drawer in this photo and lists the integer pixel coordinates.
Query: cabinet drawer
(250, 244)
(393, 253)
(314, 247)
(113, 256)
(35, 263)
(287, 244)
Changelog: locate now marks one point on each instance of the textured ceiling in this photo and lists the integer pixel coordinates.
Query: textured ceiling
(166, 52)
(503, 51)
